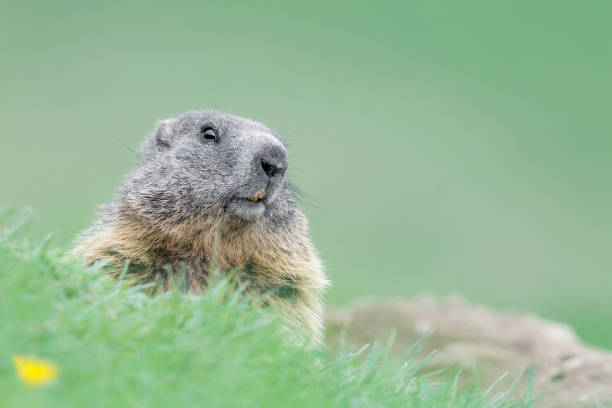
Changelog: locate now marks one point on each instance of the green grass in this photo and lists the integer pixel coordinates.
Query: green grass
(117, 346)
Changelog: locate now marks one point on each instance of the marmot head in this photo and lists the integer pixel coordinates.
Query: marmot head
(210, 164)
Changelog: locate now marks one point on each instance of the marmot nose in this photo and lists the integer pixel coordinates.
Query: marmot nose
(273, 161)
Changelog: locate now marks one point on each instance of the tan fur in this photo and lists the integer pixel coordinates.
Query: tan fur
(281, 259)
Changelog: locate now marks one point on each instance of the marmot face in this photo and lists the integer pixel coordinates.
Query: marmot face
(205, 163)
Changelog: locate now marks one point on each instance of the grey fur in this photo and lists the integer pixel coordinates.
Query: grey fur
(182, 169)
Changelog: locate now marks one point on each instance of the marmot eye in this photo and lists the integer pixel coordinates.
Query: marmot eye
(208, 133)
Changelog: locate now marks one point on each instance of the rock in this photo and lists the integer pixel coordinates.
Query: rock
(567, 373)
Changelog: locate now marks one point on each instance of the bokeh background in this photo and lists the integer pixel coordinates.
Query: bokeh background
(447, 147)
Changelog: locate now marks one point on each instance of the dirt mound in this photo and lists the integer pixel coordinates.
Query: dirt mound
(567, 373)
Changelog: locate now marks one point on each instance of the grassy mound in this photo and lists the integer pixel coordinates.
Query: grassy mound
(114, 345)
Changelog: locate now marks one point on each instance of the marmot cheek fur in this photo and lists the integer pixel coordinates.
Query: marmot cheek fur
(212, 188)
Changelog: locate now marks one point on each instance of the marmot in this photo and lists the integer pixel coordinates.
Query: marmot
(211, 189)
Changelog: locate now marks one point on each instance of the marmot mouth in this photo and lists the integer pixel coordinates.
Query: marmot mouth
(259, 196)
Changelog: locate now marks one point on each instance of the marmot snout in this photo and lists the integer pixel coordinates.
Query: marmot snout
(213, 184)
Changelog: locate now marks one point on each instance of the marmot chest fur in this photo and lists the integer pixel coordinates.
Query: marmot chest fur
(211, 189)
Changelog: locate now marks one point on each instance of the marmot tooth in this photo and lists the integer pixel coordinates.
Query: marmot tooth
(258, 196)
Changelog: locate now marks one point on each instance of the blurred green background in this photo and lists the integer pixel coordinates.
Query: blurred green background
(449, 146)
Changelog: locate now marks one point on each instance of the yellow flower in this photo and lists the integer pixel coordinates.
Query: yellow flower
(34, 371)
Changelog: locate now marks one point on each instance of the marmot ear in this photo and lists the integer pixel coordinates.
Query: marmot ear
(161, 138)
